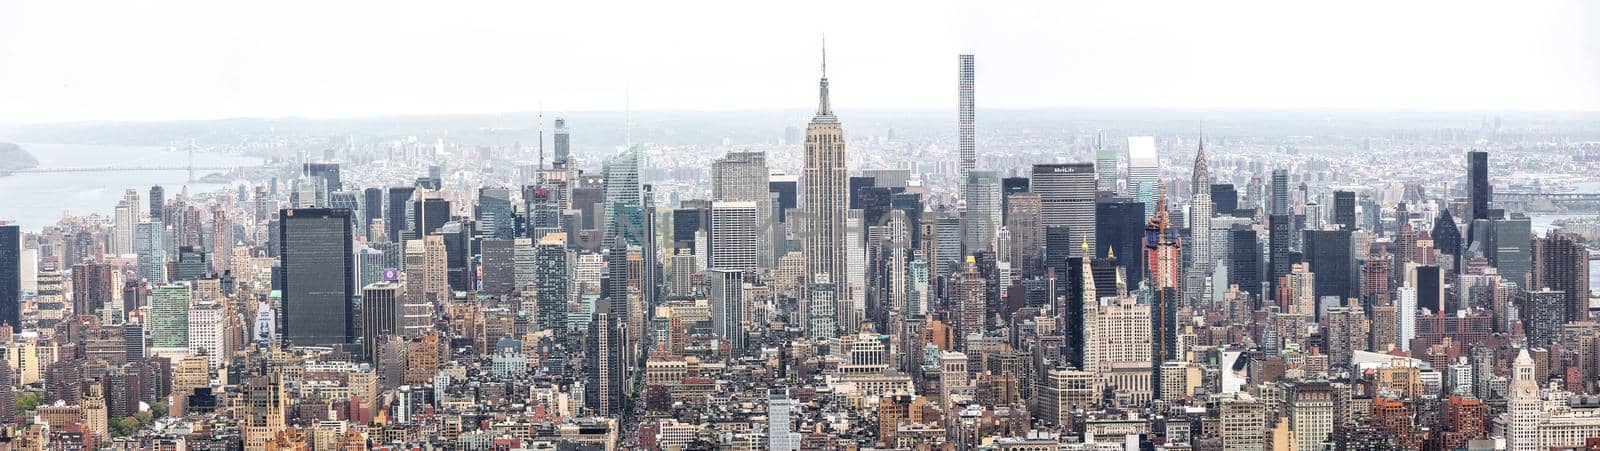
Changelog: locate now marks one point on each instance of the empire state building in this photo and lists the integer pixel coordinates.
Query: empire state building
(825, 197)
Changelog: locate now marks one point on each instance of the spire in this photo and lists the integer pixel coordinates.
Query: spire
(824, 110)
(541, 139)
(1202, 172)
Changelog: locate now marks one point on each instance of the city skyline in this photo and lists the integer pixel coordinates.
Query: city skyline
(350, 60)
(972, 279)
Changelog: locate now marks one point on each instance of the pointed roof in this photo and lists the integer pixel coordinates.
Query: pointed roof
(824, 108)
(1202, 172)
(1445, 224)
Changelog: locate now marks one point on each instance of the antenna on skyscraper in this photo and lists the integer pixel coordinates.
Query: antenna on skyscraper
(541, 138)
(824, 55)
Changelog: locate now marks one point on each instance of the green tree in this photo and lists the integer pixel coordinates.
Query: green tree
(159, 409)
(125, 426)
(28, 401)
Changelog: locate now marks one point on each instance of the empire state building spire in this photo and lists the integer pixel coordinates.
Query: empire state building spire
(824, 109)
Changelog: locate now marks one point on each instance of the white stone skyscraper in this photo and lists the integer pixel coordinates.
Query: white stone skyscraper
(1406, 311)
(826, 186)
(969, 144)
(1523, 406)
(1200, 208)
(127, 220)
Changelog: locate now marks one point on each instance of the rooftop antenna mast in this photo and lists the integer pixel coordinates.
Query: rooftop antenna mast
(541, 138)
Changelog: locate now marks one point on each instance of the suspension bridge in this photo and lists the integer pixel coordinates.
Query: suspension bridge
(189, 167)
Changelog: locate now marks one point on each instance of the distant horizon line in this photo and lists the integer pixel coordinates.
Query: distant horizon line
(809, 110)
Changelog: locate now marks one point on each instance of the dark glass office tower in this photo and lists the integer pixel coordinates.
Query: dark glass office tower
(328, 172)
(856, 185)
(1013, 185)
(11, 276)
(430, 214)
(1244, 261)
(1279, 203)
(1430, 289)
(1329, 253)
(1009, 186)
(1344, 209)
(399, 204)
(1278, 249)
(318, 272)
(1226, 197)
(786, 190)
(1164, 333)
(691, 218)
(158, 203)
(1104, 272)
(371, 205)
(1120, 222)
(458, 255)
(1478, 194)
(1057, 242)
(495, 216)
(1070, 284)
(874, 203)
(911, 204)
(1447, 237)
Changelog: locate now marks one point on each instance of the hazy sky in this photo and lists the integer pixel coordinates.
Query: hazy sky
(68, 61)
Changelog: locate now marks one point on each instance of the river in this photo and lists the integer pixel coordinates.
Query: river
(38, 200)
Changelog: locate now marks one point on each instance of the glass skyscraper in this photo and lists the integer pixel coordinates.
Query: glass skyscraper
(318, 270)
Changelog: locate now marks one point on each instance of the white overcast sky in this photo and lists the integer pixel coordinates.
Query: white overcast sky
(122, 60)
